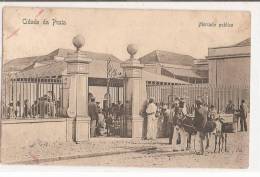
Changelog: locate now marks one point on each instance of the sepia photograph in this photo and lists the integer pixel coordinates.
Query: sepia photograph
(125, 88)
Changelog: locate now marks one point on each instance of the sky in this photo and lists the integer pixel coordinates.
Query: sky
(111, 30)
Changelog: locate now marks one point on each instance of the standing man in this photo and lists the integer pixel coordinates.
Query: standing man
(98, 127)
(179, 138)
(166, 114)
(51, 104)
(93, 113)
(183, 106)
(200, 122)
(243, 115)
(151, 120)
(26, 109)
(170, 122)
(144, 115)
(11, 111)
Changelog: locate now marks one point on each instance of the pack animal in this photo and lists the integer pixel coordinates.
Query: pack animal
(220, 136)
(216, 127)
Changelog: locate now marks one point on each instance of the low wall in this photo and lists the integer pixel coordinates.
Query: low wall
(27, 132)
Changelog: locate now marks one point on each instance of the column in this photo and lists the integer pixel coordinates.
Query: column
(77, 69)
(134, 93)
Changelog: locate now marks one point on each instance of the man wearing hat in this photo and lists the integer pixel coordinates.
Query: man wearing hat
(243, 116)
(200, 122)
(93, 114)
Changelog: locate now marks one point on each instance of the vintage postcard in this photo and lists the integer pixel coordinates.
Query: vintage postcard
(131, 88)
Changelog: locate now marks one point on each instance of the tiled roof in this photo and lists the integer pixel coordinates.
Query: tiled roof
(182, 72)
(20, 64)
(246, 42)
(93, 55)
(53, 69)
(160, 56)
(97, 69)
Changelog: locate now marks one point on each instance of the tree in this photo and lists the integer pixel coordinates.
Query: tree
(112, 73)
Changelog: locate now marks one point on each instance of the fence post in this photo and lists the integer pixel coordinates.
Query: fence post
(134, 94)
(77, 68)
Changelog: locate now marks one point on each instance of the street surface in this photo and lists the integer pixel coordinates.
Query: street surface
(160, 155)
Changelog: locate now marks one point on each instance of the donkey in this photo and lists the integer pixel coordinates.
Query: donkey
(216, 127)
(189, 128)
(220, 136)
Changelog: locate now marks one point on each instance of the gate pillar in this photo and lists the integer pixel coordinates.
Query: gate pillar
(77, 69)
(133, 93)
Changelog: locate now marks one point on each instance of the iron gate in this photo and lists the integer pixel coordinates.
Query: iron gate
(113, 103)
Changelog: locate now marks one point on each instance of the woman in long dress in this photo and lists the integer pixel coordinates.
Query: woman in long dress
(151, 120)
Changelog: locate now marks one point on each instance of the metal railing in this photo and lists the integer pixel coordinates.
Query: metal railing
(35, 97)
(217, 95)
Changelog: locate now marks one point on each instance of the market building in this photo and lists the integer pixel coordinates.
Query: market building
(49, 94)
(56, 88)
(104, 67)
(230, 65)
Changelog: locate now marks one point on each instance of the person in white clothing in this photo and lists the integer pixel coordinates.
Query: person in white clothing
(151, 120)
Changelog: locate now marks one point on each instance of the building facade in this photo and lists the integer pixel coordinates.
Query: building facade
(230, 65)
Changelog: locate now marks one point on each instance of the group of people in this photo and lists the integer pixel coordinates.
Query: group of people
(172, 115)
(43, 107)
(198, 119)
(105, 121)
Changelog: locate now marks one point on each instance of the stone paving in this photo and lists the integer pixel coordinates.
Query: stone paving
(130, 152)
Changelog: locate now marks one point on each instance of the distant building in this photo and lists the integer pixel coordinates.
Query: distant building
(182, 67)
(201, 67)
(230, 65)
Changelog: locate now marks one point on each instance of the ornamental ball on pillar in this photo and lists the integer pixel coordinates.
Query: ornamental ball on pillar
(132, 50)
(78, 41)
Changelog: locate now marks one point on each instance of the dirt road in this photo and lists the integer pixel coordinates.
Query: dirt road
(162, 156)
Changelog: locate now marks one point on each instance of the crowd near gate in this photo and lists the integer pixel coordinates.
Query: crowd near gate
(31, 97)
(217, 95)
(113, 101)
(41, 97)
